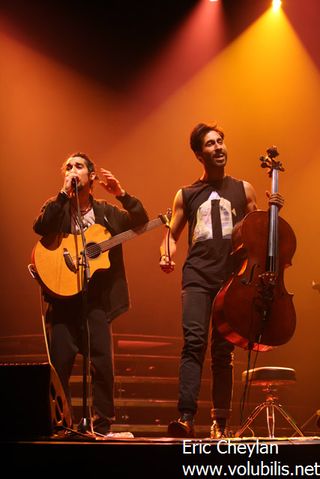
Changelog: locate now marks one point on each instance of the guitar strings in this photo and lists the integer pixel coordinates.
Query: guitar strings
(95, 249)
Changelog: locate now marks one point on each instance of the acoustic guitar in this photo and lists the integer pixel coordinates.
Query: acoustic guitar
(58, 259)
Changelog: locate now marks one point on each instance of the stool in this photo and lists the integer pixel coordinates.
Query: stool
(269, 378)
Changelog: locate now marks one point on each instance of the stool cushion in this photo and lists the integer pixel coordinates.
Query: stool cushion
(269, 375)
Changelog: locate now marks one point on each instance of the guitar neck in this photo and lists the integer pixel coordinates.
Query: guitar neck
(130, 234)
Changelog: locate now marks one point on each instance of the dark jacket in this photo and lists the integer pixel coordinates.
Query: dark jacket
(108, 288)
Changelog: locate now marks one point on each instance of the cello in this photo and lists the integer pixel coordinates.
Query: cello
(252, 309)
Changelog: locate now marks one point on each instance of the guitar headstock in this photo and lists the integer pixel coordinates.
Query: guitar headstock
(166, 218)
(270, 162)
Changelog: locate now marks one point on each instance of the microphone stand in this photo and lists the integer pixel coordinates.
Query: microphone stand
(85, 424)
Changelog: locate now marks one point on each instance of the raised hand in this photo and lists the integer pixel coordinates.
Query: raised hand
(110, 183)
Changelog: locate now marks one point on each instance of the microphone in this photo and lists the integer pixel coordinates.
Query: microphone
(74, 182)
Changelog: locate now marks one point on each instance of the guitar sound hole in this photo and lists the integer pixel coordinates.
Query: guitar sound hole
(93, 250)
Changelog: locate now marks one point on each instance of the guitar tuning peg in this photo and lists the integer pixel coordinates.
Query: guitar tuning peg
(166, 218)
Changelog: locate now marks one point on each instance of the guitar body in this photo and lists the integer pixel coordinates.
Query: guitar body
(58, 260)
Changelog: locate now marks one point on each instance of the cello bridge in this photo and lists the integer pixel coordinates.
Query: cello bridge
(268, 278)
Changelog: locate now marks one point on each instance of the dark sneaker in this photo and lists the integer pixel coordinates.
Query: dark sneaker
(101, 425)
(182, 427)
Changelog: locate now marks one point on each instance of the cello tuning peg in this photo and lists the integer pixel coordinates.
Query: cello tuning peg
(265, 161)
(273, 152)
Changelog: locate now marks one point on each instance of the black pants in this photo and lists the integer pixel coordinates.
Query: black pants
(67, 326)
(196, 320)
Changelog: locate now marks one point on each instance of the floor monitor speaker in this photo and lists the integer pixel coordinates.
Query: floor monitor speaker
(32, 401)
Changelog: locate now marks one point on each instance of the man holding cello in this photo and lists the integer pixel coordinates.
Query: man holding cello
(211, 206)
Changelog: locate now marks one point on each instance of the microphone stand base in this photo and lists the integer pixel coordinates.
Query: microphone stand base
(84, 425)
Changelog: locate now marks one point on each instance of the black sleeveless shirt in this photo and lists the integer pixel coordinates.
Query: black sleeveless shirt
(212, 209)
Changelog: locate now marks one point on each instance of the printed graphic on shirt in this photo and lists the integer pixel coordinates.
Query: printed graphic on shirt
(203, 229)
(88, 219)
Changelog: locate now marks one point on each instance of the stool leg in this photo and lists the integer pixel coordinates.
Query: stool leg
(270, 419)
(251, 418)
(289, 419)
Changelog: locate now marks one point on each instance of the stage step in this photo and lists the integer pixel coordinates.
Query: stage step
(146, 382)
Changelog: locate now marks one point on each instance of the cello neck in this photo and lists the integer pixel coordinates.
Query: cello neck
(272, 256)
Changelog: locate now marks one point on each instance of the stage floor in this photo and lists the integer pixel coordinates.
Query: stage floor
(164, 457)
(146, 395)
